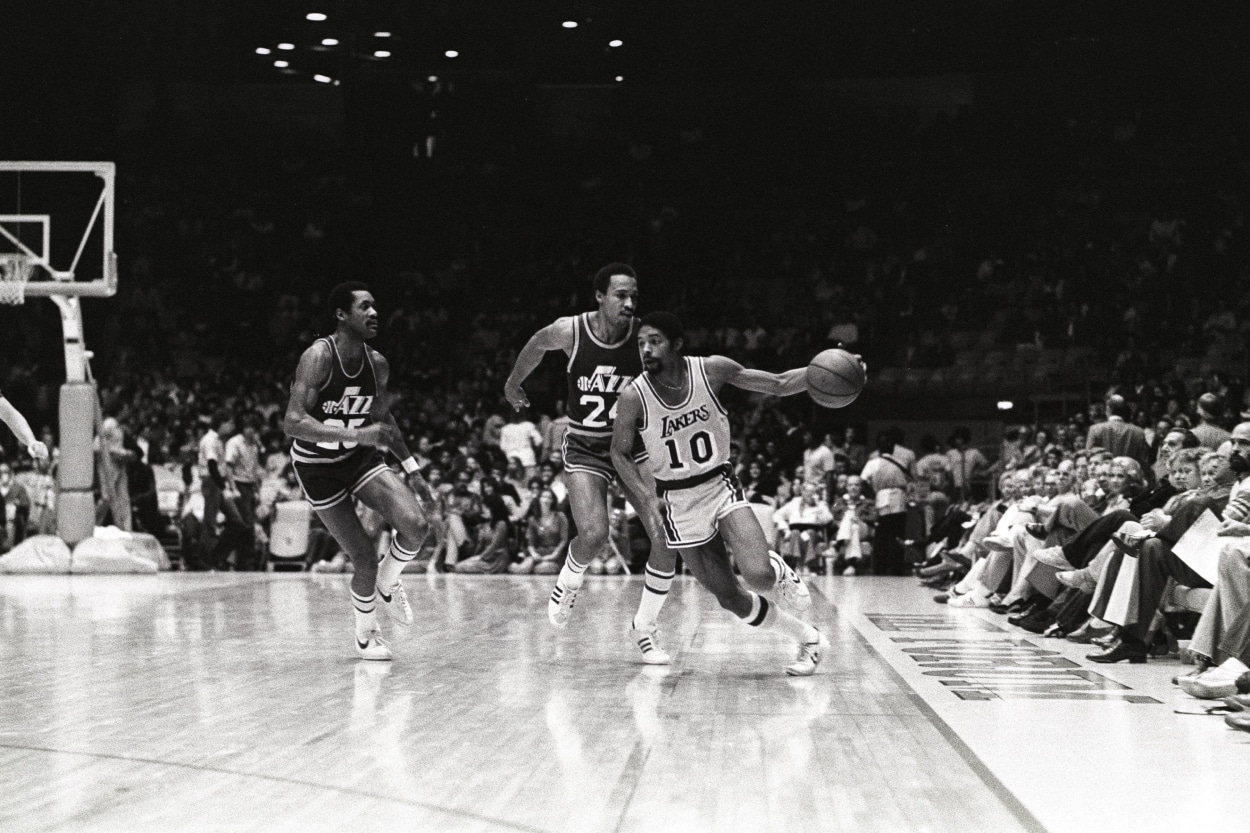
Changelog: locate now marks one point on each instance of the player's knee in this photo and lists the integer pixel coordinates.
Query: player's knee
(412, 525)
(593, 535)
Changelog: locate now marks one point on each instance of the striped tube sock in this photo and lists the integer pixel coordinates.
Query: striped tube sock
(766, 615)
(572, 573)
(393, 563)
(366, 612)
(655, 587)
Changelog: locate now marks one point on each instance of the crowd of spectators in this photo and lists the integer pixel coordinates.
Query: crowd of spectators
(889, 247)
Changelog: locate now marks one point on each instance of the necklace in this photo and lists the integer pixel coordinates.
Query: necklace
(663, 384)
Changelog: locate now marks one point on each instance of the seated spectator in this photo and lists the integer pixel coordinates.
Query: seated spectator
(15, 505)
(546, 538)
(799, 524)
(755, 485)
(856, 517)
(491, 553)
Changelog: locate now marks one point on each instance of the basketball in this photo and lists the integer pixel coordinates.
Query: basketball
(834, 378)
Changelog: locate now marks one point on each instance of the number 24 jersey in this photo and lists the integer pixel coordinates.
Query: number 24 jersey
(597, 374)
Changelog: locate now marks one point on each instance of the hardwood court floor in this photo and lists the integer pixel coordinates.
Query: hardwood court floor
(233, 702)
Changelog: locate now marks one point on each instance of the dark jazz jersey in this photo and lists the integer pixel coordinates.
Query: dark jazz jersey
(344, 401)
(598, 373)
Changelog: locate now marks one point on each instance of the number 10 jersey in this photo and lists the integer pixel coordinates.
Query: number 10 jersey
(687, 441)
(598, 374)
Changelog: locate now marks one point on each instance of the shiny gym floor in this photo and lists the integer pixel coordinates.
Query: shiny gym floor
(234, 702)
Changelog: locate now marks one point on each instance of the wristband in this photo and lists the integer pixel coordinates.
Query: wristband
(410, 465)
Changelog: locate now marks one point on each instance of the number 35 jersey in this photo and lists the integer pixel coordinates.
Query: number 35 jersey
(598, 373)
(687, 440)
(344, 401)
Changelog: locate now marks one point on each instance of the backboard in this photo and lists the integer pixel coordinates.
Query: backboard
(58, 217)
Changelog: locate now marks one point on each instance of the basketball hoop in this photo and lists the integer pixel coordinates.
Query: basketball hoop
(15, 271)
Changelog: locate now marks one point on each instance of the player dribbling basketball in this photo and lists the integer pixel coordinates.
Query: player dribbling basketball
(699, 503)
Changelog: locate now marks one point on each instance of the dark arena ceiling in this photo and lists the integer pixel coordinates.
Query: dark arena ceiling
(711, 41)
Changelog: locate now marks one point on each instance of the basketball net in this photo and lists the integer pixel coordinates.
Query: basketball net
(15, 270)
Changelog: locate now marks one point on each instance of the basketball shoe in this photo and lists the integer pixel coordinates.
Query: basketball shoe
(648, 641)
(372, 646)
(790, 588)
(395, 603)
(809, 657)
(560, 605)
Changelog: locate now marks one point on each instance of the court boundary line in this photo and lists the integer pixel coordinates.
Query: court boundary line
(992, 782)
(112, 756)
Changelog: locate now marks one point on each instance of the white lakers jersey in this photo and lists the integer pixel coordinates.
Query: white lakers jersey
(689, 439)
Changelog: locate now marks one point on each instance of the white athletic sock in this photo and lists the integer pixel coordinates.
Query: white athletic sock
(573, 572)
(366, 612)
(768, 615)
(655, 586)
(393, 563)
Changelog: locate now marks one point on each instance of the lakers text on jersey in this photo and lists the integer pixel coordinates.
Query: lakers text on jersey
(688, 451)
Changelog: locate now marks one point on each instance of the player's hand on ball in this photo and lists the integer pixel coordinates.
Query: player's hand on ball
(37, 450)
(516, 396)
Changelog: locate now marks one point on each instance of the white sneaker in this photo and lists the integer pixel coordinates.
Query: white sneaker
(849, 571)
(560, 605)
(809, 657)
(372, 647)
(972, 599)
(790, 588)
(648, 641)
(1214, 683)
(396, 604)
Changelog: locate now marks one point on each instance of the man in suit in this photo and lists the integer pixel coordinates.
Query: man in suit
(1119, 436)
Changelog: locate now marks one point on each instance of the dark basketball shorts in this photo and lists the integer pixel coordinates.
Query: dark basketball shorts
(593, 454)
(329, 484)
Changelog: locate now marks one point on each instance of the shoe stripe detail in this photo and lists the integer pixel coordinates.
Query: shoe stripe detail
(759, 618)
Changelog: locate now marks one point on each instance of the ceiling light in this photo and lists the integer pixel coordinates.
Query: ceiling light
(569, 24)
(616, 43)
(329, 42)
(318, 16)
(324, 79)
(381, 53)
(381, 34)
(262, 50)
(286, 47)
(620, 78)
(281, 64)
(451, 53)
(433, 79)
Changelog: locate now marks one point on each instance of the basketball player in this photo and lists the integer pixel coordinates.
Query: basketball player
(602, 347)
(17, 423)
(340, 420)
(699, 503)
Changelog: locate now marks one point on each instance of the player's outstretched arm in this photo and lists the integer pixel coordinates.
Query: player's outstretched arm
(624, 435)
(313, 370)
(723, 371)
(557, 335)
(17, 423)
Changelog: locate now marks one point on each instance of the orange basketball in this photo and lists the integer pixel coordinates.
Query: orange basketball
(834, 378)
